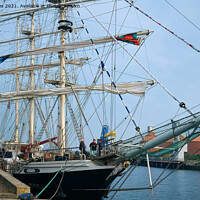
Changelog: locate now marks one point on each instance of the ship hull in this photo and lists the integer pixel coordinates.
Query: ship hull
(70, 183)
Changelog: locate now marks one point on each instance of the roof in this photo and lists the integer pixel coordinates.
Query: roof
(150, 136)
(197, 139)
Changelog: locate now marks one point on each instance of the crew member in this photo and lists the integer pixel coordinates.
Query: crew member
(100, 146)
(82, 147)
(93, 147)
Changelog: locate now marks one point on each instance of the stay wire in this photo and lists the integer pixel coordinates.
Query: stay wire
(176, 168)
(134, 111)
(181, 104)
(123, 176)
(147, 57)
(155, 183)
(182, 15)
(105, 69)
(180, 38)
(124, 181)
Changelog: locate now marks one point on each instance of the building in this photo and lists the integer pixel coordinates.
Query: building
(194, 146)
(151, 135)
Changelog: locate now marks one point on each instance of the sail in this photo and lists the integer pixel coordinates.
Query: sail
(134, 88)
(77, 62)
(68, 47)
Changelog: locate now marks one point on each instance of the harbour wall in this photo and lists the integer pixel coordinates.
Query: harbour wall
(12, 187)
(160, 163)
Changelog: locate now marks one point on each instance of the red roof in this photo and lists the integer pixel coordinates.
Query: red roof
(197, 139)
(150, 136)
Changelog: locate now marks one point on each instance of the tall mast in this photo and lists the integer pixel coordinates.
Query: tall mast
(61, 135)
(31, 125)
(17, 89)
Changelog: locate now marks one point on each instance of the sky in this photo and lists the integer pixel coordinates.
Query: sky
(170, 60)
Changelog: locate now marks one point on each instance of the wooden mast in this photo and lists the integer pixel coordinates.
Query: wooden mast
(17, 89)
(62, 140)
(31, 125)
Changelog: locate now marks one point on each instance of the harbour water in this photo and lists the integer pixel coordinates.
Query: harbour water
(181, 185)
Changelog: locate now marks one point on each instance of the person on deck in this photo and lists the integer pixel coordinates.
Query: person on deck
(82, 147)
(100, 146)
(93, 147)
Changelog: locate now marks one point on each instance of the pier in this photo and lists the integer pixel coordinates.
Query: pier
(10, 187)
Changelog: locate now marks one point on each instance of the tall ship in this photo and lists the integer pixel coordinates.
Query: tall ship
(70, 73)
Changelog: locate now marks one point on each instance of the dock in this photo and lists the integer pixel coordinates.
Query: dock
(10, 187)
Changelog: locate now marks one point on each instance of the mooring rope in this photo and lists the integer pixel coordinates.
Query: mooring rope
(64, 163)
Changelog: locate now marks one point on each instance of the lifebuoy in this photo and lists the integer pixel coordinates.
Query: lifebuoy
(47, 155)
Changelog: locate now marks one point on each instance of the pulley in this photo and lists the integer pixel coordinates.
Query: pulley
(182, 105)
(137, 128)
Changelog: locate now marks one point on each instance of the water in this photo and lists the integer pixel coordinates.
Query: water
(181, 185)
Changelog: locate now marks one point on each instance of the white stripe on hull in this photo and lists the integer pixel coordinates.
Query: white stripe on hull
(54, 166)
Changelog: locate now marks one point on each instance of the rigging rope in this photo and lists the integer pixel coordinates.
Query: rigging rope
(181, 104)
(179, 165)
(133, 168)
(134, 111)
(183, 15)
(113, 83)
(180, 38)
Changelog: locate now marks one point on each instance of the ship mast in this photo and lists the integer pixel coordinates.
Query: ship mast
(17, 89)
(62, 140)
(31, 125)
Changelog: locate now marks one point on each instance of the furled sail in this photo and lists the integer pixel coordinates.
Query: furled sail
(77, 62)
(68, 47)
(135, 88)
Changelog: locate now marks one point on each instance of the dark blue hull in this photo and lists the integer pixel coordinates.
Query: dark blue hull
(72, 184)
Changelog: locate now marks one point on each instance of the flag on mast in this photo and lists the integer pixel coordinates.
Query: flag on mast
(130, 38)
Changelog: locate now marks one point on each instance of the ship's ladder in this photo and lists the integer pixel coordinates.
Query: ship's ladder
(74, 120)
(39, 137)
